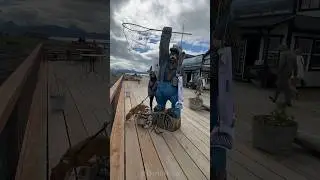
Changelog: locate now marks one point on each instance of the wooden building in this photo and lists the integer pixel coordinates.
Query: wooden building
(197, 66)
(264, 25)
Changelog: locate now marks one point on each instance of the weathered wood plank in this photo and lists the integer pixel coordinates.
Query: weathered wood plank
(189, 120)
(133, 159)
(243, 145)
(168, 161)
(11, 88)
(197, 156)
(152, 163)
(196, 141)
(113, 89)
(75, 125)
(268, 162)
(32, 160)
(57, 134)
(117, 141)
(255, 167)
(240, 171)
(189, 167)
(200, 119)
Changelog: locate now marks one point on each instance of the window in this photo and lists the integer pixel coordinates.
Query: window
(309, 4)
(274, 43)
(315, 57)
(310, 51)
(273, 50)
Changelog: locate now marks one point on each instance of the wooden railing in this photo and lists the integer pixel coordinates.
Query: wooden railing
(117, 135)
(16, 95)
(23, 114)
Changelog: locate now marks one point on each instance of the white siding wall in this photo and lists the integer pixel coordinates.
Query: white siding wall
(311, 77)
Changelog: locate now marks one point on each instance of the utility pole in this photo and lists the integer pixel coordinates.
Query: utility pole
(182, 35)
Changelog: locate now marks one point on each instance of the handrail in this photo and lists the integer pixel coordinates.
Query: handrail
(114, 88)
(117, 135)
(15, 100)
(11, 88)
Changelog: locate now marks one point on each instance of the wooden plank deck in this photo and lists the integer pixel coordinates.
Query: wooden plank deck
(87, 106)
(298, 165)
(183, 154)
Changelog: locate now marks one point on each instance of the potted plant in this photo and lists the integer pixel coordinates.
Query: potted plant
(274, 133)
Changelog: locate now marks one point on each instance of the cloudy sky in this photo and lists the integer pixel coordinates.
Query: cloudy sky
(90, 15)
(142, 49)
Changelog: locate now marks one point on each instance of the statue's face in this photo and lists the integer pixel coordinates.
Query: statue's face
(174, 56)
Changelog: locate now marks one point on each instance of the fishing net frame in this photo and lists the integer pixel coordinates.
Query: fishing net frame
(144, 32)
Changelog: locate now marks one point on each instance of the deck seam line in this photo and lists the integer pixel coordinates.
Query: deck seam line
(203, 122)
(191, 122)
(156, 149)
(197, 135)
(93, 110)
(69, 140)
(82, 121)
(195, 145)
(200, 118)
(174, 136)
(175, 157)
(294, 170)
(247, 169)
(144, 168)
(297, 171)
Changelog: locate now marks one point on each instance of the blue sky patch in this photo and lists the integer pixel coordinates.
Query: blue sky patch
(154, 41)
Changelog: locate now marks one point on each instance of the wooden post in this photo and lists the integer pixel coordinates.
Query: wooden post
(264, 78)
(217, 154)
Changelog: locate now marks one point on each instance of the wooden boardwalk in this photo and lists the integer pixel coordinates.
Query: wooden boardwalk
(50, 133)
(183, 154)
(136, 153)
(87, 107)
(246, 162)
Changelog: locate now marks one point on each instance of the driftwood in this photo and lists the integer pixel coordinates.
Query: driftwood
(78, 156)
(139, 109)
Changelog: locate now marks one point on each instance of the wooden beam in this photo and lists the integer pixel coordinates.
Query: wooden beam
(115, 88)
(32, 160)
(117, 141)
(11, 88)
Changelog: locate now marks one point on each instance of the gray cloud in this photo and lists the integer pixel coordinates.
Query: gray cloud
(90, 15)
(194, 15)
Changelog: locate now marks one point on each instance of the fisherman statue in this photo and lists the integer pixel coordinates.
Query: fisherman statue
(169, 81)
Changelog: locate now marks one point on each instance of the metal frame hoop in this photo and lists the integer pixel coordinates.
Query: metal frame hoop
(148, 29)
(125, 25)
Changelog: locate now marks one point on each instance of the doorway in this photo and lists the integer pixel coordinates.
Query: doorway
(253, 49)
(188, 77)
